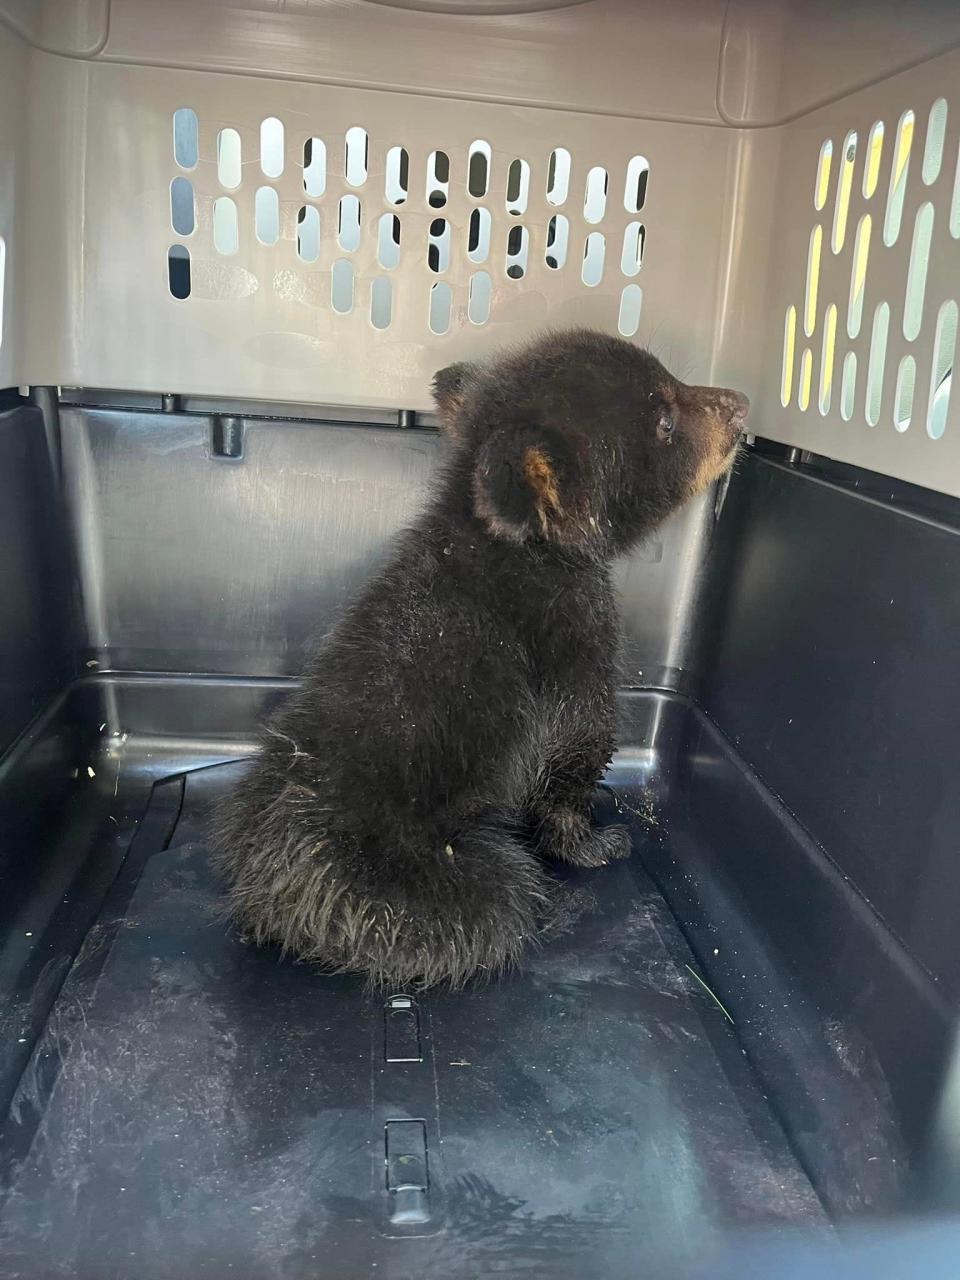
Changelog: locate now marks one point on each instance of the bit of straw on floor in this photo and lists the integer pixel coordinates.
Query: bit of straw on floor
(712, 994)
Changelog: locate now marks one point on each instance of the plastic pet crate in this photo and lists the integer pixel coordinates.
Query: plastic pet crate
(236, 241)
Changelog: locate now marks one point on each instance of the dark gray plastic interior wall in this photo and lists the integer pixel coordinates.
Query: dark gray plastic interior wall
(834, 672)
(828, 665)
(37, 638)
(193, 561)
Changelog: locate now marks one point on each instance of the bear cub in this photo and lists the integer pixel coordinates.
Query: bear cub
(452, 725)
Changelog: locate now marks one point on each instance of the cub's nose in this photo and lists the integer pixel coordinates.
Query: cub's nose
(735, 406)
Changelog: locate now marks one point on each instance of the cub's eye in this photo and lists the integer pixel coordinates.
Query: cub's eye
(662, 413)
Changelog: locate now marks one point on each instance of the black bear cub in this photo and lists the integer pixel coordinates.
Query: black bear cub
(451, 727)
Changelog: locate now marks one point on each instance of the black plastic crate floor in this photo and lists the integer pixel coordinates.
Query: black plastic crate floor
(197, 1107)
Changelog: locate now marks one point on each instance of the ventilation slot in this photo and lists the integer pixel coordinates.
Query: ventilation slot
(518, 243)
(308, 234)
(348, 224)
(341, 286)
(438, 247)
(478, 168)
(635, 189)
(558, 237)
(806, 378)
(266, 215)
(314, 167)
(397, 176)
(903, 403)
(478, 235)
(848, 386)
(826, 359)
(917, 272)
(388, 241)
(441, 299)
(595, 197)
(871, 166)
(631, 259)
(271, 148)
(181, 207)
(933, 147)
(844, 184)
(178, 271)
(518, 187)
(229, 170)
(438, 179)
(941, 377)
(789, 349)
(878, 356)
(185, 138)
(381, 303)
(478, 299)
(823, 175)
(813, 280)
(355, 156)
(631, 301)
(898, 178)
(226, 230)
(593, 251)
(558, 177)
(858, 275)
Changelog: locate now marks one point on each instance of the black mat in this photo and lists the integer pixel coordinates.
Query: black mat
(199, 1108)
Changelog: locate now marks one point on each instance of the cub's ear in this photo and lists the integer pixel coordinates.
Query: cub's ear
(449, 386)
(524, 486)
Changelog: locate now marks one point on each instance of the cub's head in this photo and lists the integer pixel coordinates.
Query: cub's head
(584, 440)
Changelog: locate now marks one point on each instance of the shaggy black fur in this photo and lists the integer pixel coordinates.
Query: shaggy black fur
(453, 724)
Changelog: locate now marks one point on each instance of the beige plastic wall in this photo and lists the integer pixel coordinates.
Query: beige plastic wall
(815, 390)
(260, 322)
(12, 180)
(728, 104)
